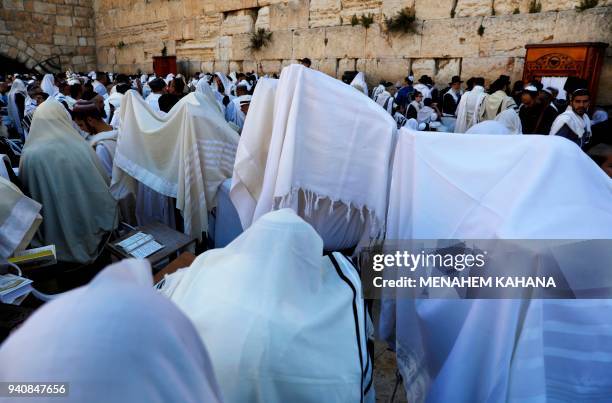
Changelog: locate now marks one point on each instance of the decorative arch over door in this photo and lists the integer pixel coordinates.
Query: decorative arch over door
(583, 60)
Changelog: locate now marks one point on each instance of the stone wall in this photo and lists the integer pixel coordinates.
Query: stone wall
(214, 35)
(61, 31)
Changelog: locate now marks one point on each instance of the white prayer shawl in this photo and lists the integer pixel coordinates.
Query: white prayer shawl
(377, 91)
(204, 88)
(100, 89)
(67, 99)
(114, 340)
(286, 332)
(426, 115)
(227, 84)
(423, 89)
(153, 101)
(19, 218)
(48, 85)
(313, 172)
(385, 100)
(494, 104)
(115, 100)
(18, 87)
(359, 82)
(250, 165)
(488, 127)
(105, 144)
(468, 109)
(578, 124)
(186, 154)
(528, 187)
(511, 120)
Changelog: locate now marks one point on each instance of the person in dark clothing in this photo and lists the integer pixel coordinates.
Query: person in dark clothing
(404, 95)
(536, 117)
(574, 124)
(451, 98)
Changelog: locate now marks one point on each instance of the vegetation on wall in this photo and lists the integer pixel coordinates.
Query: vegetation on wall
(121, 45)
(354, 20)
(481, 30)
(516, 11)
(535, 7)
(260, 39)
(367, 20)
(402, 22)
(586, 4)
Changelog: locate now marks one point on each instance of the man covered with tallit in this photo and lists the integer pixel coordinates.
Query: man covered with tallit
(282, 322)
(304, 147)
(185, 155)
(503, 350)
(61, 171)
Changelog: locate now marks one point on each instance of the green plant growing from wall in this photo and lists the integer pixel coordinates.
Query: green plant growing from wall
(260, 39)
(535, 7)
(516, 11)
(354, 20)
(586, 4)
(481, 30)
(402, 22)
(121, 45)
(367, 20)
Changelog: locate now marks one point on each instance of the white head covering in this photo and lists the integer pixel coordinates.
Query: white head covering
(204, 88)
(113, 340)
(48, 85)
(511, 120)
(17, 87)
(169, 78)
(244, 99)
(186, 154)
(359, 82)
(259, 350)
(56, 164)
(227, 84)
(244, 83)
(488, 127)
(599, 116)
(92, 75)
(302, 156)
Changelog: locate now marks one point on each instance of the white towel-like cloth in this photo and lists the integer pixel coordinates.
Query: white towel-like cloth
(19, 218)
(528, 187)
(468, 110)
(18, 87)
(48, 85)
(286, 332)
(511, 120)
(321, 149)
(185, 155)
(113, 340)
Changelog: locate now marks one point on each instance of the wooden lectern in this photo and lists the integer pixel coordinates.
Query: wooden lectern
(164, 65)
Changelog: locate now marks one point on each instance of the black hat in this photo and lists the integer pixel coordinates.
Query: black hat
(305, 61)
(455, 79)
(425, 79)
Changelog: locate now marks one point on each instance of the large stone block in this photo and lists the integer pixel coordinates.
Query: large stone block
(455, 37)
(345, 65)
(263, 18)
(500, 39)
(270, 66)
(325, 13)
(44, 7)
(381, 44)
(360, 7)
(12, 4)
(445, 70)
(238, 22)
(433, 9)
(64, 21)
(345, 41)
(422, 67)
(594, 25)
(488, 67)
(327, 66)
(507, 7)
(293, 14)
(281, 47)
(473, 8)
(309, 43)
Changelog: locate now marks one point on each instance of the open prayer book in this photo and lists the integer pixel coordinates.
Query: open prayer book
(140, 245)
(13, 288)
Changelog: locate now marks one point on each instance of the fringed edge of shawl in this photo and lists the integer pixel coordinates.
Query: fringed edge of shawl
(311, 204)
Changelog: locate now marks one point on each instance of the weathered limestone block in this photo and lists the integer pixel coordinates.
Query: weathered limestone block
(500, 33)
(433, 9)
(383, 69)
(222, 66)
(327, 66)
(249, 65)
(44, 7)
(594, 24)
(224, 50)
(63, 21)
(325, 13)
(390, 7)
(229, 5)
(263, 18)
(293, 14)
(380, 43)
(345, 41)
(309, 43)
(287, 62)
(345, 65)
(488, 67)
(207, 67)
(360, 7)
(240, 47)
(559, 5)
(445, 70)
(455, 37)
(473, 8)
(422, 67)
(238, 22)
(281, 47)
(270, 66)
(506, 7)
